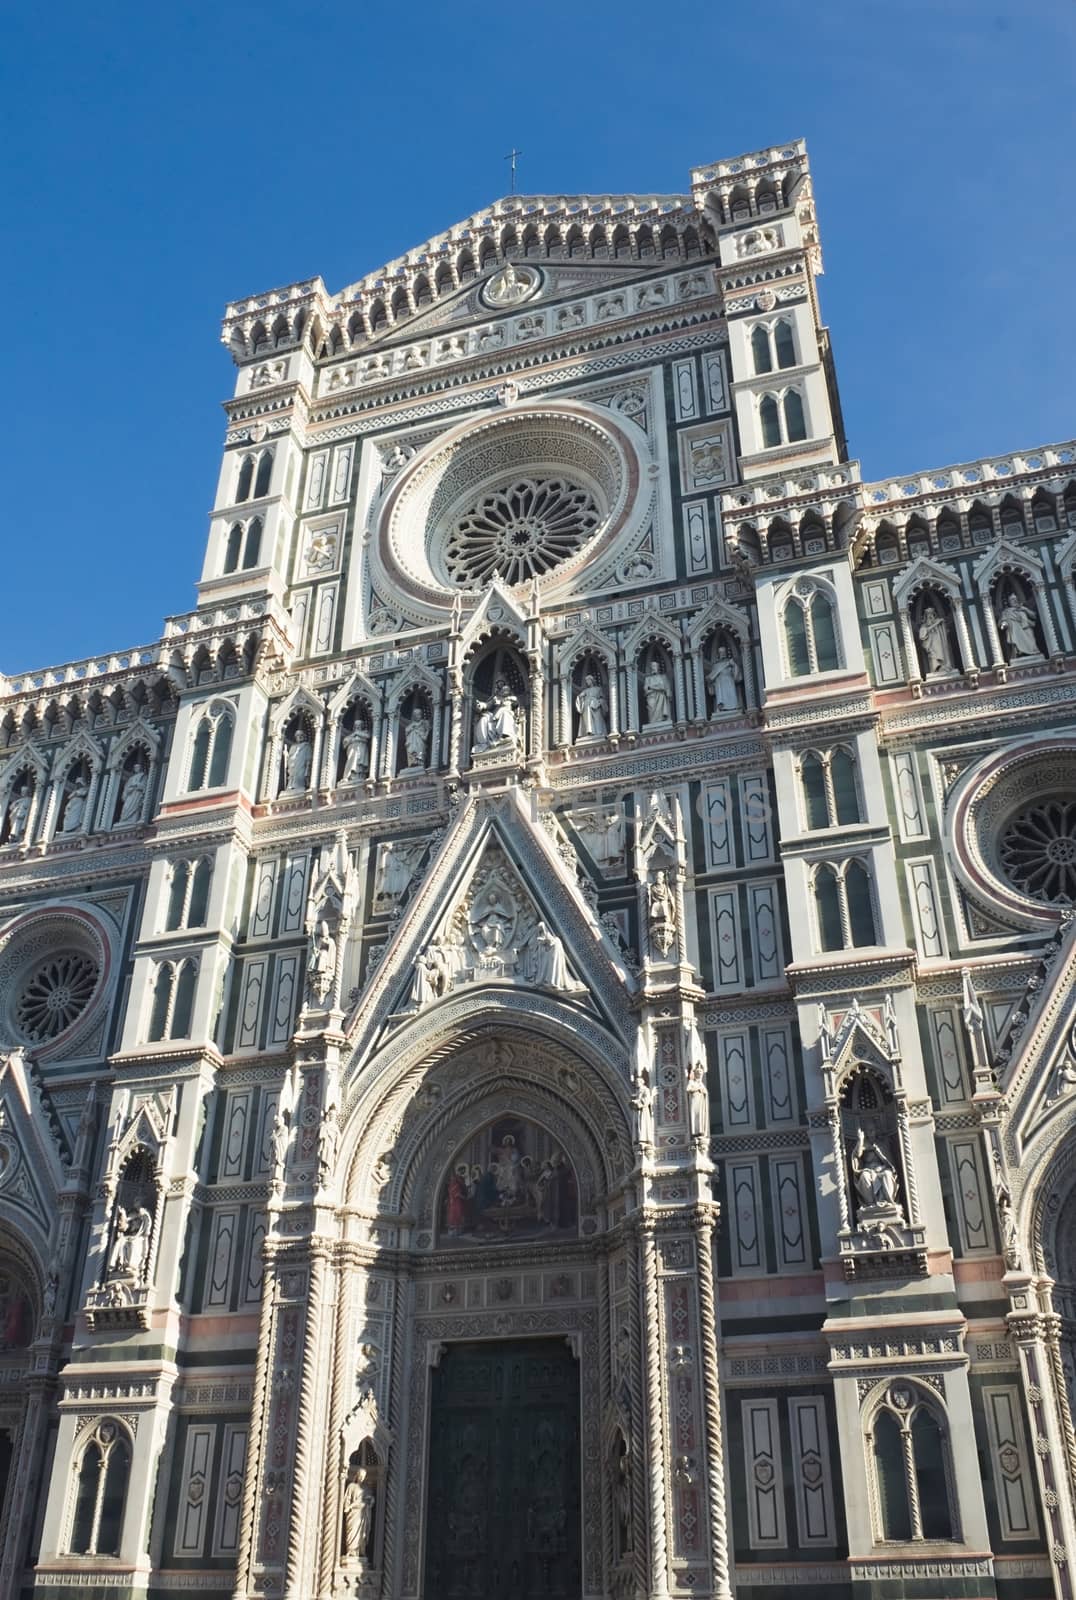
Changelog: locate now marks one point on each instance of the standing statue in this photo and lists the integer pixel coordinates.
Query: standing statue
(356, 754)
(622, 1489)
(359, 1502)
(18, 813)
(321, 963)
(592, 709)
(498, 720)
(642, 1101)
(698, 1103)
(297, 760)
(416, 734)
(75, 809)
(130, 1243)
(395, 869)
(133, 793)
(1018, 625)
(328, 1141)
(433, 977)
(657, 692)
(661, 908)
(875, 1177)
(934, 637)
(723, 676)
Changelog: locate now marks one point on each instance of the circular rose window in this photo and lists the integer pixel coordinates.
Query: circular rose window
(520, 531)
(54, 995)
(1038, 851)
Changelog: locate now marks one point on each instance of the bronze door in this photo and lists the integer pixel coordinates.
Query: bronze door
(503, 1497)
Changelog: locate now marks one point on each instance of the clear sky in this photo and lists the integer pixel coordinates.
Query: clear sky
(159, 160)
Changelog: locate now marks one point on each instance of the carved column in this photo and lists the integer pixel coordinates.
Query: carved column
(706, 1225)
(1029, 1330)
(657, 1475)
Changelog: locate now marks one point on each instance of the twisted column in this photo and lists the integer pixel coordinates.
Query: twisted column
(294, 1587)
(711, 1387)
(330, 1519)
(256, 1436)
(659, 1544)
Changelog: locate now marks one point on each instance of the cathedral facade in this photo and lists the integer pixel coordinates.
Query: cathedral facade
(537, 1020)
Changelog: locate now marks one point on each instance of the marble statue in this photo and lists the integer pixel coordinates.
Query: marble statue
(130, 1245)
(1018, 625)
(497, 724)
(508, 286)
(18, 813)
(622, 1488)
(723, 677)
(328, 1141)
(642, 1101)
(321, 963)
(657, 692)
(698, 1102)
(433, 977)
(874, 1176)
(934, 637)
(395, 868)
(592, 709)
(75, 809)
(133, 793)
(416, 737)
(356, 754)
(297, 759)
(550, 966)
(603, 835)
(661, 910)
(359, 1502)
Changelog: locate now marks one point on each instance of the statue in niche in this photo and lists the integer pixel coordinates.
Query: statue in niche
(724, 677)
(416, 738)
(321, 962)
(875, 1179)
(933, 635)
(298, 756)
(498, 722)
(75, 808)
(18, 813)
(356, 753)
(642, 1101)
(133, 793)
(592, 709)
(328, 1142)
(657, 693)
(661, 911)
(360, 1502)
(698, 1103)
(623, 1496)
(550, 966)
(130, 1243)
(658, 823)
(1017, 623)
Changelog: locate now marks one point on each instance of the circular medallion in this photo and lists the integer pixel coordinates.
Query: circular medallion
(54, 995)
(511, 286)
(1038, 852)
(519, 531)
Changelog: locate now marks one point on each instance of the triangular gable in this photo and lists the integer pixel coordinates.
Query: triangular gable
(497, 612)
(30, 1140)
(925, 571)
(496, 834)
(1039, 1081)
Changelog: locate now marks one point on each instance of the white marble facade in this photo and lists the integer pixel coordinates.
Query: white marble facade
(587, 893)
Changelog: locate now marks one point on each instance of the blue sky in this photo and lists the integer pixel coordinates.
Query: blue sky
(158, 161)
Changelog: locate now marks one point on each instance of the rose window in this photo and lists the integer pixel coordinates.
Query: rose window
(520, 531)
(1038, 851)
(54, 995)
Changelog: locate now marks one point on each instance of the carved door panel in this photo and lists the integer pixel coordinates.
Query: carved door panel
(503, 1499)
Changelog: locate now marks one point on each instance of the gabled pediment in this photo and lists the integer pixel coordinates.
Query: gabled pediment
(1039, 1081)
(498, 611)
(925, 573)
(32, 1168)
(498, 907)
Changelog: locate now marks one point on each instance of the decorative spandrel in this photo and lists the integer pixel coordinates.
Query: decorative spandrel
(512, 1181)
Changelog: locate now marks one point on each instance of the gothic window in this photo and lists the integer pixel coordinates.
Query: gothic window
(1043, 513)
(621, 243)
(692, 247)
(785, 345)
(887, 546)
(830, 795)
(948, 533)
(379, 317)
(101, 1489)
(760, 350)
(252, 545)
(769, 418)
(810, 633)
(211, 748)
(265, 473)
(443, 279)
(173, 1001)
(981, 526)
(487, 254)
(234, 547)
(739, 205)
(795, 421)
(400, 307)
(520, 531)
(645, 242)
(827, 899)
(423, 296)
(246, 479)
(909, 1448)
(1012, 521)
(465, 266)
(844, 905)
(188, 894)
